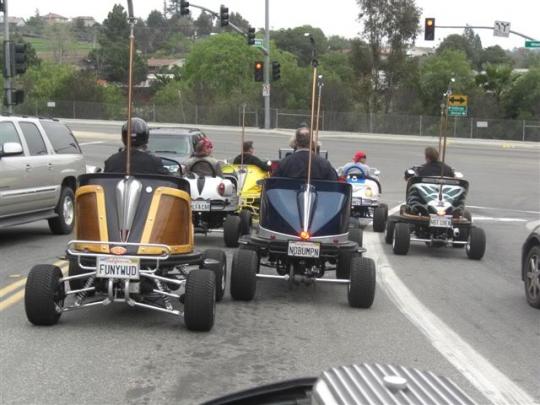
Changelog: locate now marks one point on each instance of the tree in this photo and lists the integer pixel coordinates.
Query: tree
(495, 55)
(337, 43)
(475, 44)
(294, 40)
(435, 74)
(35, 24)
(41, 82)
(61, 39)
(522, 101)
(391, 25)
(239, 21)
(456, 42)
(203, 24)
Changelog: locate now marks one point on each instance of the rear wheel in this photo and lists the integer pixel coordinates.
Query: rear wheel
(44, 295)
(244, 274)
(231, 230)
(531, 272)
(389, 235)
(402, 238)
(246, 221)
(476, 244)
(380, 214)
(200, 300)
(356, 235)
(361, 292)
(63, 223)
(219, 269)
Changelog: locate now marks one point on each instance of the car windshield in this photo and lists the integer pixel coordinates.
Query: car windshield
(170, 144)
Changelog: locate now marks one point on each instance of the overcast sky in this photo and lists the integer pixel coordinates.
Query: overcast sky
(337, 17)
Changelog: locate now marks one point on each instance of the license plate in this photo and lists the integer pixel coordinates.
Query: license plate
(356, 202)
(440, 221)
(304, 249)
(118, 267)
(200, 205)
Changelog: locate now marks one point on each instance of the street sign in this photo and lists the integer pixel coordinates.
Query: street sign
(532, 44)
(258, 43)
(266, 90)
(501, 29)
(457, 111)
(456, 100)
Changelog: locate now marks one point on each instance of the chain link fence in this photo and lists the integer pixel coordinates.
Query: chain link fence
(375, 123)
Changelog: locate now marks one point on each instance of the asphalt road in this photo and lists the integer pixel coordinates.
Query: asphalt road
(121, 355)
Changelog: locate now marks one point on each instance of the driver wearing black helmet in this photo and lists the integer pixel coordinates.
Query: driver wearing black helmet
(142, 161)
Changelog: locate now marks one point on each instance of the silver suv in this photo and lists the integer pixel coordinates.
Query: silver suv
(39, 164)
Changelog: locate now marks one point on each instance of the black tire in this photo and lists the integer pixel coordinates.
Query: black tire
(356, 235)
(476, 244)
(402, 238)
(244, 274)
(361, 291)
(246, 221)
(43, 294)
(63, 223)
(380, 214)
(343, 266)
(389, 235)
(219, 269)
(200, 300)
(532, 291)
(231, 230)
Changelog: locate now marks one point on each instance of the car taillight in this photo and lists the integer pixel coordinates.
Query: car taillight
(221, 189)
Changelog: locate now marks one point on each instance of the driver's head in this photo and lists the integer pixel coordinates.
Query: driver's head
(431, 154)
(359, 157)
(204, 147)
(248, 147)
(301, 138)
(139, 132)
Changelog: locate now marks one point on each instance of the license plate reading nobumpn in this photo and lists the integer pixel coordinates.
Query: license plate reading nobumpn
(304, 249)
(117, 267)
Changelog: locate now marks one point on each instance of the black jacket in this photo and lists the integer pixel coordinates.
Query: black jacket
(434, 169)
(250, 159)
(295, 166)
(141, 163)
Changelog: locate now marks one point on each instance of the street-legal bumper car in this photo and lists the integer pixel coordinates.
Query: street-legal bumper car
(366, 191)
(303, 233)
(435, 214)
(215, 202)
(249, 177)
(134, 244)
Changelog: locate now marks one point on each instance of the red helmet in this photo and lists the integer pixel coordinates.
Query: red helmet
(359, 155)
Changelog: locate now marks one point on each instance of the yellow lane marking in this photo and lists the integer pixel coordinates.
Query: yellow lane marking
(19, 295)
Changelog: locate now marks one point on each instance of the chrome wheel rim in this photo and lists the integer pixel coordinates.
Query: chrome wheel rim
(532, 278)
(68, 211)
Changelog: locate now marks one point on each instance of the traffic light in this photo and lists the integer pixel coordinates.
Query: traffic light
(184, 7)
(224, 16)
(2, 7)
(251, 36)
(17, 97)
(259, 71)
(18, 58)
(429, 29)
(276, 71)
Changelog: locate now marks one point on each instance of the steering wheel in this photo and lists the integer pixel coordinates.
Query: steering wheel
(362, 172)
(206, 162)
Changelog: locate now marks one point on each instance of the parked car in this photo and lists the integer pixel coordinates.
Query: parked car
(530, 267)
(176, 143)
(40, 160)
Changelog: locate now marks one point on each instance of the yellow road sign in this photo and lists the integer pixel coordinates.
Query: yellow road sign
(456, 100)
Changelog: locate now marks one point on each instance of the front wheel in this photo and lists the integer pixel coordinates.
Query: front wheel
(232, 230)
(389, 235)
(246, 221)
(402, 238)
(63, 223)
(380, 214)
(361, 292)
(44, 295)
(531, 272)
(476, 244)
(219, 269)
(244, 274)
(200, 300)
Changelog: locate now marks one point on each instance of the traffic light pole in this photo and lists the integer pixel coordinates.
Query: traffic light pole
(267, 65)
(7, 61)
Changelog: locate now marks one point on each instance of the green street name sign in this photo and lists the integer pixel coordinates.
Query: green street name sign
(258, 43)
(532, 44)
(457, 111)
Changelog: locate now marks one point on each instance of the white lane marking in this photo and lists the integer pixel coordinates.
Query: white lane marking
(502, 209)
(90, 143)
(492, 383)
(482, 218)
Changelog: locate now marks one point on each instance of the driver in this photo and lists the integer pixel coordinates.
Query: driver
(433, 166)
(203, 152)
(295, 165)
(249, 157)
(358, 160)
(142, 161)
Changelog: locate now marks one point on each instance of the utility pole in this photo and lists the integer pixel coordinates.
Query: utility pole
(7, 62)
(267, 65)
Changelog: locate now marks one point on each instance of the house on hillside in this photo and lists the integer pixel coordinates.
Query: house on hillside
(14, 22)
(156, 65)
(53, 18)
(87, 21)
